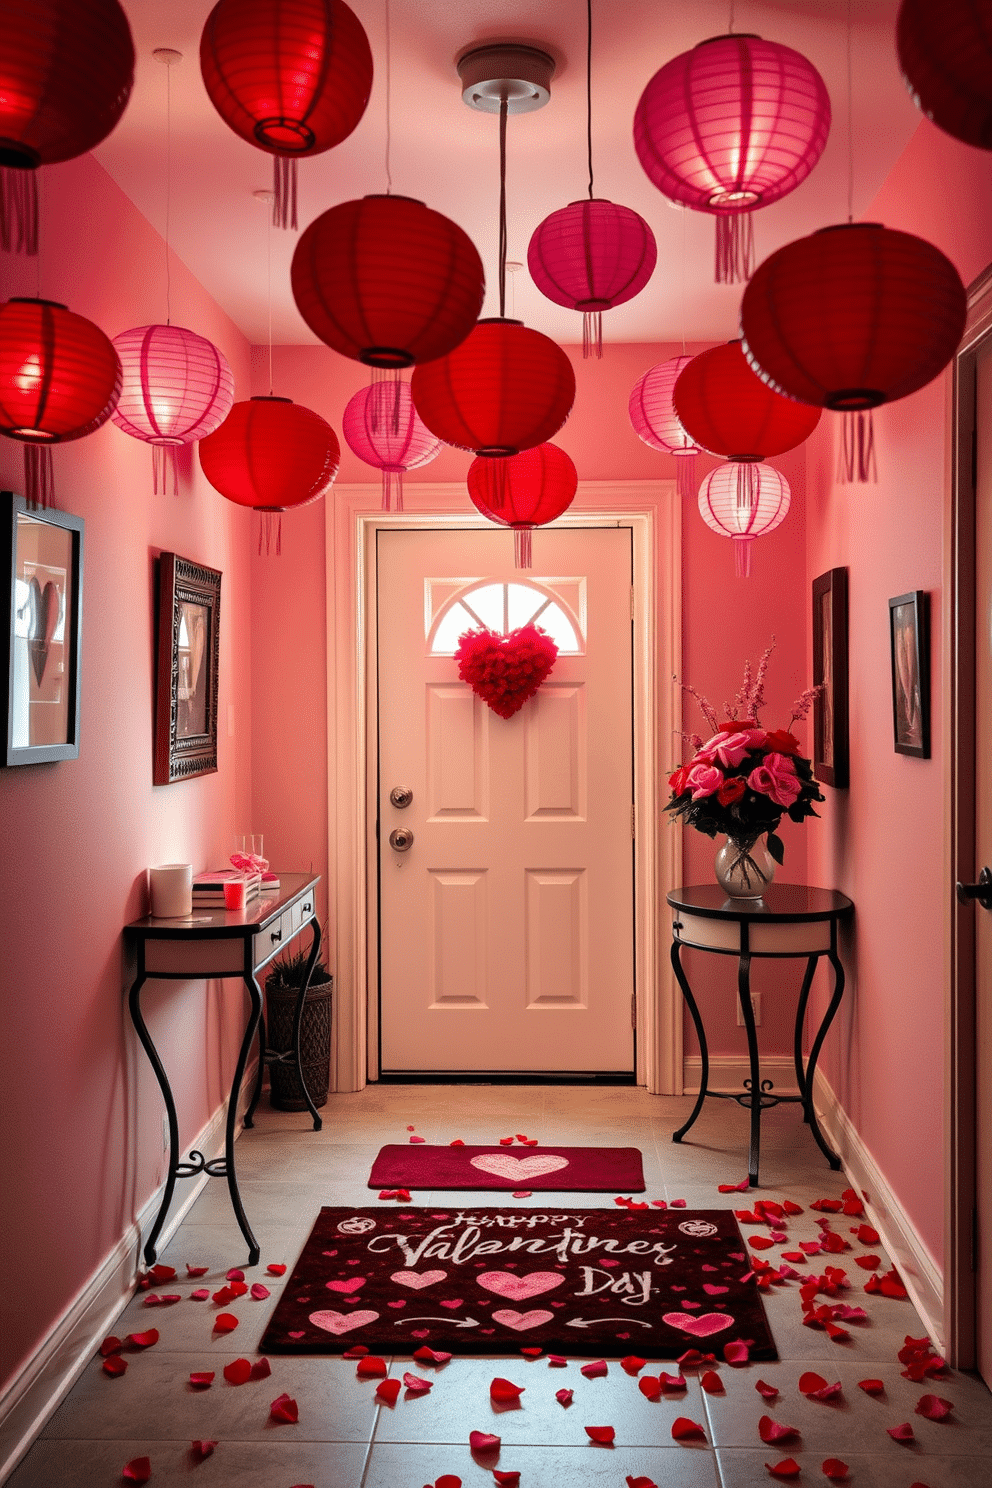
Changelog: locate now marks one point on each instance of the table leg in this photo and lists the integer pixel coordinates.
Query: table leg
(754, 1084)
(797, 1047)
(839, 979)
(298, 1020)
(682, 980)
(256, 1094)
(255, 993)
(141, 1029)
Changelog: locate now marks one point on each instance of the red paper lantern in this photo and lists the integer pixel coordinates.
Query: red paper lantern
(725, 407)
(387, 281)
(505, 389)
(382, 427)
(654, 419)
(177, 387)
(524, 491)
(590, 256)
(742, 502)
(59, 380)
(66, 71)
(734, 124)
(945, 52)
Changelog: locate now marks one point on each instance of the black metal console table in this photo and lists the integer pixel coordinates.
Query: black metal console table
(214, 942)
(790, 920)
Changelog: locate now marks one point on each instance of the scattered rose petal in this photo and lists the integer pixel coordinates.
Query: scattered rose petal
(285, 1410)
(791, 1208)
(387, 1193)
(650, 1386)
(836, 1470)
(712, 1383)
(868, 1262)
(734, 1187)
(403, 1194)
(934, 1408)
(692, 1359)
(416, 1384)
(138, 1470)
(595, 1369)
(510, 1479)
(196, 1270)
(532, 1353)
(427, 1355)
(521, 1193)
(602, 1434)
(457, 1143)
(564, 1397)
(142, 1340)
(558, 1361)
(388, 1390)
(276, 1269)
(872, 1386)
(671, 1381)
(632, 1364)
(201, 1450)
(903, 1433)
(111, 1345)
(235, 1274)
(770, 1431)
(678, 1203)
(768, 1392)
(736, 1352)
(238, 1372)
(201, 1379)
(225, 1322)
(787, 1468)
(261, 1369)
(447, 1480)
(811, 1247)
(199, 1296)
(866, 1234)
(357, 1351)
(828, 1206)
(809, 1382)
(260, 1292)
(162, 1273)
(114, 1365)
(504, 1390)
(418, 1139)
(482, 1441)
(506, 1141)
(759, 1242)
(371, 1367)
(685, 1430)
(640, 1482)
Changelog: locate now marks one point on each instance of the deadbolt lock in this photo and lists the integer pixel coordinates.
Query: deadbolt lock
(401, 795)
(401, 839)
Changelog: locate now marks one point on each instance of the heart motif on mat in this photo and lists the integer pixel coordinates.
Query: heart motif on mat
(505, 670)
(350, 1284)
(699, 1327)
(341, 1322)
(417, 1279)
(519, 1288)
(520, 1321)
(501, 1165)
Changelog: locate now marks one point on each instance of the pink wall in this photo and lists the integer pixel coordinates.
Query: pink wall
(82, 1145)
(881, 841)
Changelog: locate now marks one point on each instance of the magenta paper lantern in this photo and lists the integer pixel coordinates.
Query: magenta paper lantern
(743, 500)
(734, 124)
(653, 416)
(382, 427)
(590, 256)
(177, 387)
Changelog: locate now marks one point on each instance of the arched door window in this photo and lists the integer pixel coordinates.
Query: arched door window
(502, 607)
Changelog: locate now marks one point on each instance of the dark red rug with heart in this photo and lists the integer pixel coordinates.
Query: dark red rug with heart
(493, 1281)
(552, 1169)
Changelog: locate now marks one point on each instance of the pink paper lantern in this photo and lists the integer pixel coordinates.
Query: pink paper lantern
(177, 388)
(382, 427)
(743, 500)
(653, 416)
(590, 256)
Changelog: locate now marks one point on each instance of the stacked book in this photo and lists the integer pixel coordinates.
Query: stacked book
(208, 888)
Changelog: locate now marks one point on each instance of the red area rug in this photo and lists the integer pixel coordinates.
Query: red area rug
(550, 1169)
(576, 1281)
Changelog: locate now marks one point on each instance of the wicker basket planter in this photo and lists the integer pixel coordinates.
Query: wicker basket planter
(315, 1044)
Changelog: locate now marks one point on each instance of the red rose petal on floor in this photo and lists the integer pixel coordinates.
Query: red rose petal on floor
(521, 1138)
(357, 1351)
(235, 1274)
(892, 1286)
(594, 1369)
(457, 1143)
(416, 1384)
(557, 1361)
(734, 1187)
(531, 1142)
(388, 1391)
(759, 1242)
(427, 1355)
(602, 1434)
(736, 1353)
(138, 1470)
(371, 1367)
(142, 1340)
(836, 1470)
(564, 1396)
(403, 1194)
(678, 1203)
(868, 1262)
(196, 1270)
(200, 1296)
(276, 1269)
(770, 1431)
(448, 1480)
(787, 1468)
(828, 1206)
(521, 1193)
(504, 1389)
(225, 1295)
(201, 1379)
(387, 1193)
(508, 1478)
(482, 1441)
(934, 1408)
(768, 1392)
(712, 1383)
(285, 1410)
(532, 1353)
(111, 1345)
(418, 1139)
(811, 1247)
(238, 1372)
(152, 1300)
(201, 1450)
(685, 1430)
(872, 1386)
(672, 1381)
(225, 1322)
(632, 1364)
(866, 1234)
(791, 1208)
(162, 1273)
(261, 1369)
(903, 1433)
(624, 1203)
(810, 1381)
(260, 1292)
(114, 1365)
(506, 1141)
(640, 1482)
(650, 1386)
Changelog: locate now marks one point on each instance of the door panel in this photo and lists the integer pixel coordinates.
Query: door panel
(983, 852)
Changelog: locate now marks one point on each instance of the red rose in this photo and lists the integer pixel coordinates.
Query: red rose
(730, 791)
(780, 741)
(735, 727)
(677, 780)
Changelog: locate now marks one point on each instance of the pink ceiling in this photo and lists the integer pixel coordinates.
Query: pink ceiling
(446, 154)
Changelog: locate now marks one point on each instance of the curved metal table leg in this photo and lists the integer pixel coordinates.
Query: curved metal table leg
(839, 979)
(256, 1094)
(680, 977)
(797, 1045)
(744, 993)
(298, 1020)
(255, 993)
(141, 1029)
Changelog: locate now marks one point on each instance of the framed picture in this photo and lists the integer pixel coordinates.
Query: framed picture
(830, 725)
(43, 552)
(909, 639)
(188, 669)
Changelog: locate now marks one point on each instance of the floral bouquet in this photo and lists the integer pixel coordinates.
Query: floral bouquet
(744, 779)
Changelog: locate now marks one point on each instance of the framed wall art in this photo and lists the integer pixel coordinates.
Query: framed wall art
(909, 642)
(188, 669)
(43, 561)
(830, 721)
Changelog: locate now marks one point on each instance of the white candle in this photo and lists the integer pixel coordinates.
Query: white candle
(171, 890)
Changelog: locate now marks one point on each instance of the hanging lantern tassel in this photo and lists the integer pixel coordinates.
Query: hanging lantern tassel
(284, 182)
(523, 550)
(857, 462)
(18, 210)
(392, 490)
(685, 474)
(746, 510)
(270, 521)
(734, 247)
(39, 475)
(592, 333)
(163, 466)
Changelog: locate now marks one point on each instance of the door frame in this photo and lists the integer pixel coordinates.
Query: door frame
(960, 1174)
(652, 510)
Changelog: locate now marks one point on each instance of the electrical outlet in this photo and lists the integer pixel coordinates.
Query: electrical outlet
(756, 1006)
(165, 1132)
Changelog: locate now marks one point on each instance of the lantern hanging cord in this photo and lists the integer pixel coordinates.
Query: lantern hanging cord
(168, 190)
(502, 206)
(268, 273)
(589, 91)
(730, 24)
(850, 116)
(389, 99)
(682, 281)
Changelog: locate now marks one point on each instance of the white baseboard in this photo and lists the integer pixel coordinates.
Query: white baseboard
(45, 1378)
(729, 1071)
(919, 1270)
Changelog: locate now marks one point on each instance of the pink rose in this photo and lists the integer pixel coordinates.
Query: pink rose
(776, 778)
(731, 747)
(703, 780)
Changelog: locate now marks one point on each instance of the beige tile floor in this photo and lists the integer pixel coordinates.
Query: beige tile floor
(345, 1440)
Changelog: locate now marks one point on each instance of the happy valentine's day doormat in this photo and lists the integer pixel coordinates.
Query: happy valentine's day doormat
(574, 1281)
(558, 1169)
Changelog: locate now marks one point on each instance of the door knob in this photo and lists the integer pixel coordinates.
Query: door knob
(401, 839)
(401, 795)
(980, 891)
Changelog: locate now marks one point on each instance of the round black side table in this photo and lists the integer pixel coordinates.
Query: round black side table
(789, 921)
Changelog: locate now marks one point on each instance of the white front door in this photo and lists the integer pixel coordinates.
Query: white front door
(983, 854)
(506, 928)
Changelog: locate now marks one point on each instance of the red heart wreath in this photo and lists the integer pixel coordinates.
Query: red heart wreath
(505, 670)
